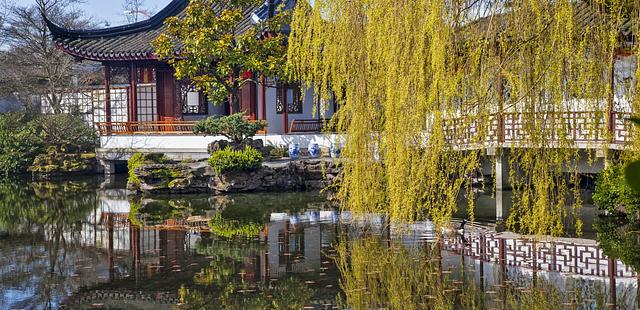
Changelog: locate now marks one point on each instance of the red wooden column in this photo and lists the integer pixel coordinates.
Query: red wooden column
(107, 96)
(133, 93)
(263, 100)
(285, 108)
(613, 299)
(110, 246)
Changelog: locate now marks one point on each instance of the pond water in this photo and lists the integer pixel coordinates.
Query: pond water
(86, 244)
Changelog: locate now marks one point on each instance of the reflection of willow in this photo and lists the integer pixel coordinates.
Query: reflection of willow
(221, 284)
(376, 274)
(289, 293)
(47, 214)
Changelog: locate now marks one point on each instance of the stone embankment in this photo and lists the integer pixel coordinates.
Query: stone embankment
(199, 177)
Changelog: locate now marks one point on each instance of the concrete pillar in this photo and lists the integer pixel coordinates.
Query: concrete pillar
(499, 188)
(501, 175)
(108, 167)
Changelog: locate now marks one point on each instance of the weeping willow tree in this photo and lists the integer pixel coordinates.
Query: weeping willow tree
(428, 88)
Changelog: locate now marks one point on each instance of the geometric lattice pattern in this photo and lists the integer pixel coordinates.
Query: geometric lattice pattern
(584, 258)
(586, 128)
(147, 103)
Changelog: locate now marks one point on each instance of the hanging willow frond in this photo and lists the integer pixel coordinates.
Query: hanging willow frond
(425, 87)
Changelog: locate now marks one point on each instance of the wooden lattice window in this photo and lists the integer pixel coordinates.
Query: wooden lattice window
(192, 101)
(290, 96)
(146, 104)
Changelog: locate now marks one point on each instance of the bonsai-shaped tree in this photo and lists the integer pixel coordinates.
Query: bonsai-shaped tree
(212, 48)
(235, 127)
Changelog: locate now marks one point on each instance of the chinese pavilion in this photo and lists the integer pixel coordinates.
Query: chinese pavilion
(145, 97)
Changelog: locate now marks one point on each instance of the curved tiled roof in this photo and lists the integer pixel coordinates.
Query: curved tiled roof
(129, 42)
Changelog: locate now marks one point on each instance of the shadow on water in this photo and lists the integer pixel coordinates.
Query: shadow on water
(86, 245)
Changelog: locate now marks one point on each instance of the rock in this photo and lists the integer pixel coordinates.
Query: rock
(199, 177)
(174, 178)
(218, 145)
(57, 164)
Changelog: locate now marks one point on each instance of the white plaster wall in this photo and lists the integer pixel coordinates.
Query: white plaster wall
(213, 109)
(199, 143)
(275, 122)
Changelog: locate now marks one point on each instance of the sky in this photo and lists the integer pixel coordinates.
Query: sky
(111, 11)
(103, 12)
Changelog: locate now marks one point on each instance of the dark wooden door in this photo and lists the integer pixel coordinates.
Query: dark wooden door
(249, 100)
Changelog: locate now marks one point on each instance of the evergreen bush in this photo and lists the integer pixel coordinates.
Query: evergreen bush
(228, 160)
(613, 194)
(235, 127)
(24, 136)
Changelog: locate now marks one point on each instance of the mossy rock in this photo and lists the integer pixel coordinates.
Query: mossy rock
(55, 164)
(178, 183)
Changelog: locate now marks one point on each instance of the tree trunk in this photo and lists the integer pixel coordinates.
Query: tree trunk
(235, 102)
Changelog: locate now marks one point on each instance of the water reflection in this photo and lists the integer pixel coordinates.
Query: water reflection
(80, 245)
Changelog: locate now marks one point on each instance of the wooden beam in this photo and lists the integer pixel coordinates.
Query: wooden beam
(263, 100)
(285, 109)
(133, 93)
(107, 95)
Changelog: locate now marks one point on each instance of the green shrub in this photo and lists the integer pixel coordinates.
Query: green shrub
(67, 132)
(235, 127)
(228, 159)
(24, 136)
(19, 144)
(138, 159)
(613, 192)
(632, 170)
(134, 162)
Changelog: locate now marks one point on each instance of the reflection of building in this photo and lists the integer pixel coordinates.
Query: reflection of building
(293, 247)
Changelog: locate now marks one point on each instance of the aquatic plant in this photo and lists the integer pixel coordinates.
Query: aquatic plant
(403, 73)
(287, 293)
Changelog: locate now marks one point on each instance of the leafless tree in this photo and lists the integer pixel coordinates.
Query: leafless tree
(33, 69)
(133, 9)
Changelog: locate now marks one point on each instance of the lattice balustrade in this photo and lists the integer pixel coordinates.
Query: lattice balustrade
(557, 256)
(586, 127)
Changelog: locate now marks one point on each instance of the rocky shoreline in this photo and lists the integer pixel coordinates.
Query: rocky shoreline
(200, 178)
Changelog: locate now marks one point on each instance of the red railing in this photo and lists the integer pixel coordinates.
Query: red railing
(306, 125)
(156, 127)
(159, 127)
